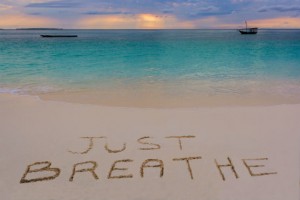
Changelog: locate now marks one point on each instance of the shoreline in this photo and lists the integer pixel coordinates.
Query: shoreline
(160, 102)
(229, 101)
(155, 99)
(148, 101)
(171, 95)
(50, 98)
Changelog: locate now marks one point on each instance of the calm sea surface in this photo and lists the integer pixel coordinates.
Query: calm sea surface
(158, 64)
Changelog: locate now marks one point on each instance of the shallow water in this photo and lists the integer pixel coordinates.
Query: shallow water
(153, 67)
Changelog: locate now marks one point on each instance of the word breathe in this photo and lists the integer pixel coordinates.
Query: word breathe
(42, 171)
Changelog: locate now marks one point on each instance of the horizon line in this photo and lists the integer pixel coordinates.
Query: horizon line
(57, 29)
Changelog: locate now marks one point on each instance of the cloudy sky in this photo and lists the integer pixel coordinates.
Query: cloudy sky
(149, 13)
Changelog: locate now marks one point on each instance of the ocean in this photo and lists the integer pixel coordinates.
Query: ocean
(151, 68)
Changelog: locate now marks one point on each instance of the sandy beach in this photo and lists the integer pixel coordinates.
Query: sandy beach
(57, 150)
(149, 100)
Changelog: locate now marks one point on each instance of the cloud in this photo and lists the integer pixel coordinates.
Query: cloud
(5, 7)
(192, 10)
(280, 8)
(138, 21)
(121, 21)
(278, 22)
(207, 22)
(53, 4)
(35, 13)
(106, 13)
(25, 21)
(152, 13)
(184, 9)
(167, 11)
(209, 11)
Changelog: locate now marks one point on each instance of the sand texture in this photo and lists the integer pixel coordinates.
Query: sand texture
(64, 151)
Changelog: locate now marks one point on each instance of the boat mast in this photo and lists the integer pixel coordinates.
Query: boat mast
(246, 25)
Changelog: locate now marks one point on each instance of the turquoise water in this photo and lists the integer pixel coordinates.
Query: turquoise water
(175, 62)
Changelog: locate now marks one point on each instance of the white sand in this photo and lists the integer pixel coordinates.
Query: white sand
(32, 131)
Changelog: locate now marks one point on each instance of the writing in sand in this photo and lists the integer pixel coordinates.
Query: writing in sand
(120, 169)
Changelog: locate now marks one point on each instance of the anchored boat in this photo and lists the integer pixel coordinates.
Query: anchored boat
(248, 30)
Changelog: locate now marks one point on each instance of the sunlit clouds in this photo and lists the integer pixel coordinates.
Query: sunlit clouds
(4, 7)
(21, 21)
(140, 21)
(278, 23)
(150, 21)
(281, 22)
(149, 14)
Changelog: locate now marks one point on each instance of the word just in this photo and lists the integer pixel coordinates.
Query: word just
(147, 145)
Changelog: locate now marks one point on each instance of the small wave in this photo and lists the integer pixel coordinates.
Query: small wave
(10, 91)
(29, 91)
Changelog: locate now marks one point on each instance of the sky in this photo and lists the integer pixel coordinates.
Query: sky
(149, 14)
